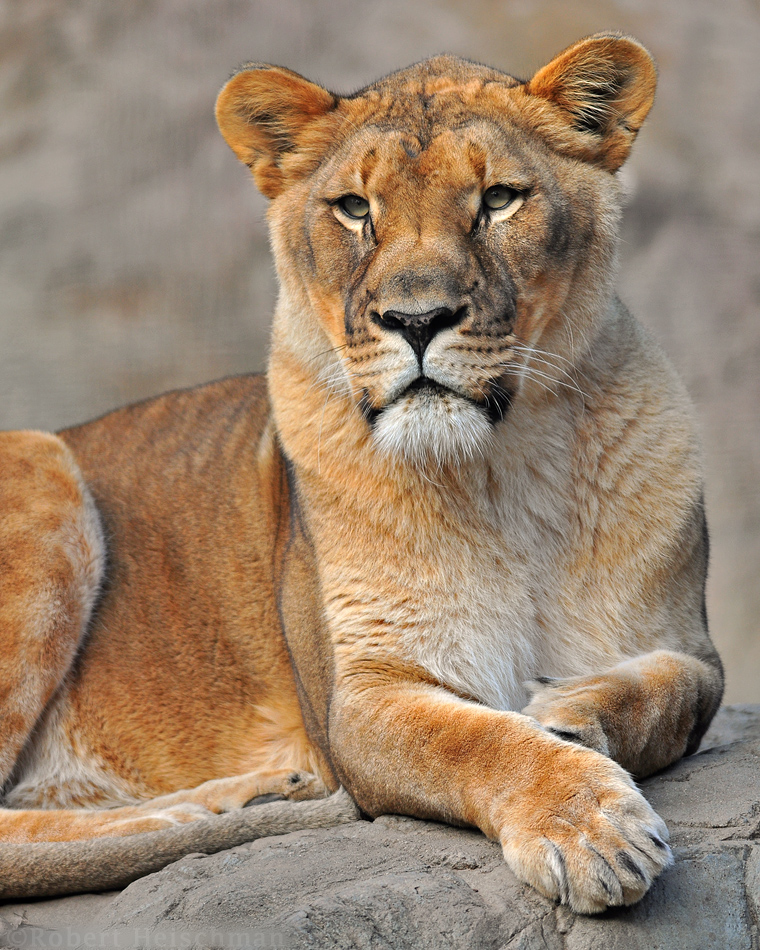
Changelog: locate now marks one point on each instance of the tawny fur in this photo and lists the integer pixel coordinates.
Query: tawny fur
(450, 555)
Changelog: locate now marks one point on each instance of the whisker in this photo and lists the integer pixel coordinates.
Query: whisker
(524, 345)
(526, 348)
(572, 381)
(533, 373)
(535, 354)
(322, 353)
(333, 380)
(319, 434)
(543, 385)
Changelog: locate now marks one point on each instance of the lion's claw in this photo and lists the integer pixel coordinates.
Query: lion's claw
(600, 845)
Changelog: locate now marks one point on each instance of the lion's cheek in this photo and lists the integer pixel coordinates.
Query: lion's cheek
(322, 298)
(539, 305)
(328, 309)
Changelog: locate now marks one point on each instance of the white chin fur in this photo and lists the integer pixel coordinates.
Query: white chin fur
(433, 427)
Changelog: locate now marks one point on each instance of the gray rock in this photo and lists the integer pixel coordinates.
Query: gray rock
(398, 883)
(133, 250)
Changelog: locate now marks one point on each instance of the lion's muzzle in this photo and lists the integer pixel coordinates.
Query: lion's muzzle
(418, 329)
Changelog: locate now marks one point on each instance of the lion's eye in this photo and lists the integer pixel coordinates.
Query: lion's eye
(354, 206)
(498, 197)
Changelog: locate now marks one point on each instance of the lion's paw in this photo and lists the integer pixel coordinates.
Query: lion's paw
(300, 786)
(291, 784)
(569, 708)
(590, 840)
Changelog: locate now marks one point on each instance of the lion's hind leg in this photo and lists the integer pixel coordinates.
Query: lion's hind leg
(19, 826)
(225, 794)
(214, 797)
(51, 566)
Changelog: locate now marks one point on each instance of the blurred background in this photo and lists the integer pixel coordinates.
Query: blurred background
(133, 248)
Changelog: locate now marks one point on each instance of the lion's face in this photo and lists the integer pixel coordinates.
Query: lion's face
(446, 234)
(434, 257)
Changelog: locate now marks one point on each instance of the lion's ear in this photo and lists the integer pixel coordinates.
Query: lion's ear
(270, 118)
(601, 90)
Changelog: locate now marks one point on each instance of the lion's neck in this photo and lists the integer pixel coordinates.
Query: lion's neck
(446, 552)
(336, 456)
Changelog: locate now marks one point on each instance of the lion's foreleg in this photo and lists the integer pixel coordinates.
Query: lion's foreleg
(645, 713)
(570, 820)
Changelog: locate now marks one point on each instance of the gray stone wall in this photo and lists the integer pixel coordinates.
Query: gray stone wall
(133, 251)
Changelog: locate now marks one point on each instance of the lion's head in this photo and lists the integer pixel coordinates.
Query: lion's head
(446, 237)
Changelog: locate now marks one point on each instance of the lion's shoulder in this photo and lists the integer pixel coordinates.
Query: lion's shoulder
(180, 418)
(178, 450)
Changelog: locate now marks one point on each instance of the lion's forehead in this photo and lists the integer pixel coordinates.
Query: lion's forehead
(443, 93)
(383, 156)
(440, 75)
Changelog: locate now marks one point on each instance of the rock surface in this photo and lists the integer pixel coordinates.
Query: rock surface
(398, 883)
(133, 250)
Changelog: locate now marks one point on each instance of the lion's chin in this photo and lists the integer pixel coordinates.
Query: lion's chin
(436, 428)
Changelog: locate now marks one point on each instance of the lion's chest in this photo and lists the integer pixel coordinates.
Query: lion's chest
(476, 599)
(486, 630)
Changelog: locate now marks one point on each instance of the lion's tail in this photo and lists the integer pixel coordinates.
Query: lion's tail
(99, 864)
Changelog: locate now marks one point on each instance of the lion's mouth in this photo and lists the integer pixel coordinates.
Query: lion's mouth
(427, 385)
(495, 403)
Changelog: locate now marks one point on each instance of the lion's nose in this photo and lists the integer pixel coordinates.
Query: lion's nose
(418, 329)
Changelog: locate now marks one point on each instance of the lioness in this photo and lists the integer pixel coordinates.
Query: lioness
(449, 554)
